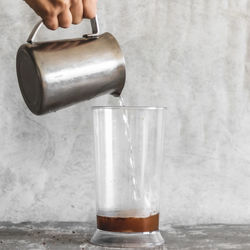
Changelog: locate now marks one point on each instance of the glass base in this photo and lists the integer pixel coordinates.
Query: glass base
(137, 240)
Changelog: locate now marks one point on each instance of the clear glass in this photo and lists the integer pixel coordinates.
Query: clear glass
(129, 150)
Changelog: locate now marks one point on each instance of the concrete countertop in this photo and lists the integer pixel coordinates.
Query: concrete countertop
(70, 235)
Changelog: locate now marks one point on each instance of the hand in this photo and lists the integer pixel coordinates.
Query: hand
(62, 13)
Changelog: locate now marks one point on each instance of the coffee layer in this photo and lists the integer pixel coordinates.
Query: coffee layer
(128, 224)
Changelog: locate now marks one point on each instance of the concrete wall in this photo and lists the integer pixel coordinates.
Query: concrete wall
(189, 55)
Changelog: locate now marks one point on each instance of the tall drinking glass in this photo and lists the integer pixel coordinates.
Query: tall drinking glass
(129, 151)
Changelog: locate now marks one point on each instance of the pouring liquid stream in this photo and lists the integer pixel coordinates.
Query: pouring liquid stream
(131, 155)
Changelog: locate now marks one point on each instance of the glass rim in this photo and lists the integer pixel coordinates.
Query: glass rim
(129, 107)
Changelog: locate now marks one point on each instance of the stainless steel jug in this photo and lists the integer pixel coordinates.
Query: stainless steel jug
(56, 74)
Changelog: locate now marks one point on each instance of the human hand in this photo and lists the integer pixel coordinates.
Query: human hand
(62, 13)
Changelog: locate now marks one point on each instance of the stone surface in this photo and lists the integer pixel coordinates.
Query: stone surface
(189, 55)
(70, 235)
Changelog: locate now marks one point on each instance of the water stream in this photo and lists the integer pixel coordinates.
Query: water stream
(132, 173)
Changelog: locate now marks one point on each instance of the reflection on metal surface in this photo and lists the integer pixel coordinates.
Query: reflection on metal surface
(73, 73)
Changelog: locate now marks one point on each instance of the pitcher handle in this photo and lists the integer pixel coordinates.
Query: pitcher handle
(94, 25)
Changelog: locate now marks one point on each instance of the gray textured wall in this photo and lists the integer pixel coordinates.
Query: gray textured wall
(189, 55)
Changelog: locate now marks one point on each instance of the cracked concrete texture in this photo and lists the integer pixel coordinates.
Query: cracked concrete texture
(191, 56)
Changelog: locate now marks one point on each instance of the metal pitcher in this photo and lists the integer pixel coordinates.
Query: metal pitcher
(56, 74)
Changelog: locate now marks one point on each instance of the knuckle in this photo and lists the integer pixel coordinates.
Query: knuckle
(61, 4)
(65, 20)
(50, 24)
(73, 2)
(50, 13)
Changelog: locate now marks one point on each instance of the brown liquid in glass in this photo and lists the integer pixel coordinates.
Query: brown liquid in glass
(128, 224)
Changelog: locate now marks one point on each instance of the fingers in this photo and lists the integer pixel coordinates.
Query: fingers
(89, 8)
(62, 13)
(47, 11)
(65, 18)
(51, 22)
(76, 10)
